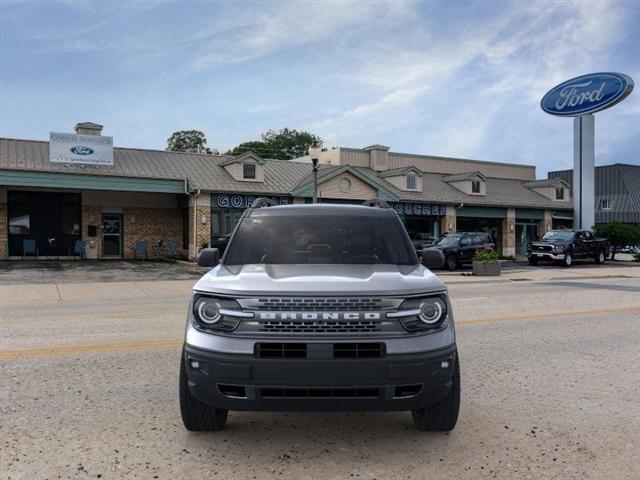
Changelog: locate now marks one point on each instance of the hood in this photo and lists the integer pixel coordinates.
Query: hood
(259, 279)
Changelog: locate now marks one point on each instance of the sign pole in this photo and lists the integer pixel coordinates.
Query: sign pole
(583, 171)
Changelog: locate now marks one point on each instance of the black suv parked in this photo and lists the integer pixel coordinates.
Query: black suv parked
(459, 248)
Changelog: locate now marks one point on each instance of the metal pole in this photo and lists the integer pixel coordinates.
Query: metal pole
(583, 172)
(315, 179)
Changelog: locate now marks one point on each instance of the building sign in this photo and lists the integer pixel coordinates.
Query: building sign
(587, 94)
(80, 149)
(225, 200)
(419, 209)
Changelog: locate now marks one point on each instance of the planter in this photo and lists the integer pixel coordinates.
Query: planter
(486, 269)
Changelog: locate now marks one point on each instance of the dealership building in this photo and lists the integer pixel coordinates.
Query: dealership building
(127, 195)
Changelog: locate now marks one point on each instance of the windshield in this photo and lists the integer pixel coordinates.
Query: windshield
(558, 235)
(320, 239)
(447, 241)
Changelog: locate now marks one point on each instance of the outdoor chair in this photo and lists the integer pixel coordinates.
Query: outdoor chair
(142, 249)
(29, 248)
(172, 248)
(79, 248)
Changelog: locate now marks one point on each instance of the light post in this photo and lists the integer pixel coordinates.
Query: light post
(314, 153)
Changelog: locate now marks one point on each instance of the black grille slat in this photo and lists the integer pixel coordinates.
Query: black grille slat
(319, 304)
(320, 326)
(282, 350)
(340, 350)
(288, 392)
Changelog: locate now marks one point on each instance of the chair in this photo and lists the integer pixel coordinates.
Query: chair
(79, 248)
(29, 248)
(141, 248)
(172, 248)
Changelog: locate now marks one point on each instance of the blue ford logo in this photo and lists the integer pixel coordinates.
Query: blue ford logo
(587, 94)
(79, 150)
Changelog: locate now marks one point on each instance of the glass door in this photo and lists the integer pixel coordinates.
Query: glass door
(111, 235)
(525, 233)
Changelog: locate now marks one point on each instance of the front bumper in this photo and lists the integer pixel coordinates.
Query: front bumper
(393, 382)
(546, 255)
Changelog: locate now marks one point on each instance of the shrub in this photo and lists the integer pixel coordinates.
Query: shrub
(484, 256)
(619, 234)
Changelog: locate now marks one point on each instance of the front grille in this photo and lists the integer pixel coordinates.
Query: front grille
(320, 304)
(281, 350)
(319, 350)
(320, 326)
(543, 248)
(358, 350)
(320, 392)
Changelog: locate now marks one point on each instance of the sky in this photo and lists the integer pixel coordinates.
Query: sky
(451, 78)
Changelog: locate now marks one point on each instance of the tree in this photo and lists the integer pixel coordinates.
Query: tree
(619, 234)
(188, 141)
(257, 147)
(284, 144)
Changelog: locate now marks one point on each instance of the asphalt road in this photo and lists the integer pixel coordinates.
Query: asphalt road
(550, 379)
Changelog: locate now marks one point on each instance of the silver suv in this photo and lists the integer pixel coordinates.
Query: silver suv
(319, 307)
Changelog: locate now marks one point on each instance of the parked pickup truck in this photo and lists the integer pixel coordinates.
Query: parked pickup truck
(319, 307)
(565, 246)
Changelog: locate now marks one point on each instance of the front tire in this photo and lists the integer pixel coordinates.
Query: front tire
(197, 416)
(451, 263)
(568, 260)
(533, 260)
(442, 416)
(600, 257)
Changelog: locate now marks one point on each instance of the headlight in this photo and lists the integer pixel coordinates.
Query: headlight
(421, 313)
(217, 313)
(431, 311)
(559, 248)
(208, 311)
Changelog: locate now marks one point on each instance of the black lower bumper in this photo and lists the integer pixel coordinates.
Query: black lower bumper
(394, 382)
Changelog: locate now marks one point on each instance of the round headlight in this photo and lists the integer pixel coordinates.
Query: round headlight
(208, 311)
(431, 312)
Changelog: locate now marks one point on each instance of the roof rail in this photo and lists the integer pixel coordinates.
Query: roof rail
(263, 202)
(376, 202)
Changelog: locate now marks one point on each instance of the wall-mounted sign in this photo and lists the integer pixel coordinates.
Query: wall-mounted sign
(587, 94)
(419, 208)
(85, 149)
(225, 200)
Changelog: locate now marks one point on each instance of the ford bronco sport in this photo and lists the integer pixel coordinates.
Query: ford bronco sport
(319, 307)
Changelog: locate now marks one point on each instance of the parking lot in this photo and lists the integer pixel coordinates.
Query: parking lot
(89, 367)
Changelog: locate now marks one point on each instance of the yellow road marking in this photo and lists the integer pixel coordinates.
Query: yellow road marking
(151, 344)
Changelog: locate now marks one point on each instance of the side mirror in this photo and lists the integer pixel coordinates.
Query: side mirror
(432, 258)
(209, 257)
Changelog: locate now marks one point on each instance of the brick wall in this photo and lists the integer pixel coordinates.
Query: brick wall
(509, 233)
(152, 225)
(448, 222)
(4, 227)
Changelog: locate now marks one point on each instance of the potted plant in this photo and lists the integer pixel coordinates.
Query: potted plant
(486, 264)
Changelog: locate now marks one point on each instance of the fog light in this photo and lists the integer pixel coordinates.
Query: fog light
(194, 364)
(444, 364)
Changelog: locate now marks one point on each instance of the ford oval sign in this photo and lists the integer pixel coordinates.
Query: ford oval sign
(587, 94)
(79, 150)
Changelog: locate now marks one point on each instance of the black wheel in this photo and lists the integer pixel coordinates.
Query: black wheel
(600, 257)
(450, 262)
(533, 261)
(442, 416)
(567, 260)
(197, 416)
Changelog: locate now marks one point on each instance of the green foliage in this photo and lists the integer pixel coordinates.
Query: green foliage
(284, 144)
(619, 234)
(259, 148)
(485, 256)
(188, 141)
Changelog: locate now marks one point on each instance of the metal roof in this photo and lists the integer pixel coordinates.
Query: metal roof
(281, 177)
(463, 176)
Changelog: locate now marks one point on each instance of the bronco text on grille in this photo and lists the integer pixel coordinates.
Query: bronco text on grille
(319, 307)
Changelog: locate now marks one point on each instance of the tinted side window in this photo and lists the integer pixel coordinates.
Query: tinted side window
(465, 242)
(478, 239)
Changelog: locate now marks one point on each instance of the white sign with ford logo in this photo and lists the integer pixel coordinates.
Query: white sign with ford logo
(80, 149)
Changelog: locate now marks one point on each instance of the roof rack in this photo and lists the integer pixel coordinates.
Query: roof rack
(376, 202)
(263, 202)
